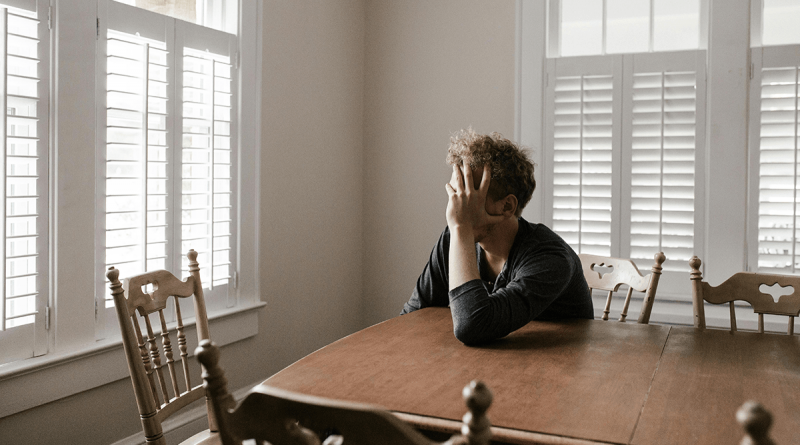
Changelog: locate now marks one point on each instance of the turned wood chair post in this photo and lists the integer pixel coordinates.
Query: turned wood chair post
(756, 421)
(144, 400)
(697, 293)
(650, 295)
(477, 427)
(216, 385)
(202, 328)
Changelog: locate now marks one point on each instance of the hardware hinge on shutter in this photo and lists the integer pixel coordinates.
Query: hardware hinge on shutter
(49, 17)
(98, 28)
(236, 280)
(752, 68)
(47, 318)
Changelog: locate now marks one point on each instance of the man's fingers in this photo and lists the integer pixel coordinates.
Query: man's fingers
(468, 184)
(450, 190)
(459, 178)
(487, 176)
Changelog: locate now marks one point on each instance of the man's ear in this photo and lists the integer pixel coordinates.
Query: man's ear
(510, 205)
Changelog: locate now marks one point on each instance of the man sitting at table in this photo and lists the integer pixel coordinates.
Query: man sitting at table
(494, 269)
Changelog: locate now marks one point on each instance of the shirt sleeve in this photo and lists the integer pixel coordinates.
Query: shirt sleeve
(479, 316)
(432, 285)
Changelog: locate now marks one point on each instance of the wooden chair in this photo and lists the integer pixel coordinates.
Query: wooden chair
(756, 422)
(623, 272)
(283, 417)
(155, 398)
(744, 286)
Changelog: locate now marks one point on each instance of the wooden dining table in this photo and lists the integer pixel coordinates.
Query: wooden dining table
(564, 382)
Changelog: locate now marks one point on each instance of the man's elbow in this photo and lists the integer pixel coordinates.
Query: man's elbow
(470, 334)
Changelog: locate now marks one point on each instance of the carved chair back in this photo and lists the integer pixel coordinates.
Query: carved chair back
(745, 286)
(622, 272)
(283, 417)
(159, 392)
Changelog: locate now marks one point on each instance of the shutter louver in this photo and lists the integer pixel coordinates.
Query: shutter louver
(582, 162)
(662, 167)
(25, 211)
(777, 210)
(206, 215)
(136, 154)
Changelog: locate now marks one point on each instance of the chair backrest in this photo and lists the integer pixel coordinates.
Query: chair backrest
(756, 421)
(156, 399)
(623, 272)
(283, 417)
(745, 286)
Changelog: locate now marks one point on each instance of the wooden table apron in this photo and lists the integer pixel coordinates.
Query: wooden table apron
(583, 379)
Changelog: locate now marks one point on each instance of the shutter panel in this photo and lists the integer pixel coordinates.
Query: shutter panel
(207, 186)
(663, 128)
(662, 166)
(137, 153)
(584, 143)
(776, 116)
(24, 187)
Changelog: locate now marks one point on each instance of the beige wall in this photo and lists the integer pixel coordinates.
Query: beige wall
(311, 183)
(432, 67)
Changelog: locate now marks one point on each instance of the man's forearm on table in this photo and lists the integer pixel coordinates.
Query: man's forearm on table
(463, 266)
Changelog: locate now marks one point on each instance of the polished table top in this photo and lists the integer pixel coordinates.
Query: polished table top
(579, 379)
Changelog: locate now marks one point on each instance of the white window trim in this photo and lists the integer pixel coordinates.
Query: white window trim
(72, 348)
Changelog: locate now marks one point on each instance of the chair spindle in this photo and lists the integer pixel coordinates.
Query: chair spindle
(607, 309)
(148, 367)
(624, 313)
(791, 325)
(760, 323)
(182, 345)
(733, 317)
(154, 355)
(168, 353)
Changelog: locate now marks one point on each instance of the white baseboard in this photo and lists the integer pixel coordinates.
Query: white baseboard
(183, 425)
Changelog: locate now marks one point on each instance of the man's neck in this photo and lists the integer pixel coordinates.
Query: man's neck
(497, 243)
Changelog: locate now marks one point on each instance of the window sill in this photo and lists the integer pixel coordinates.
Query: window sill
(29, 383)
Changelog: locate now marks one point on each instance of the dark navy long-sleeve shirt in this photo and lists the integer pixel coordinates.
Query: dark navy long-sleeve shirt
(542, 279)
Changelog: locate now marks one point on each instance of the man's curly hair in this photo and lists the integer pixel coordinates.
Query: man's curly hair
(512, 172)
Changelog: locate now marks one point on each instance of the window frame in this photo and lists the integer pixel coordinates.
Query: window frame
(73, 348)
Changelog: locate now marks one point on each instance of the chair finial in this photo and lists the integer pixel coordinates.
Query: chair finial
(756, 422)
(194, 266)
(660, 258)
(476, 427)
(695, 264)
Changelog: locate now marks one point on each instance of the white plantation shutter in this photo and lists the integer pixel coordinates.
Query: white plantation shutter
(135, 148)
(774, 138)
(207, 186)
(583, 157)
(168, 167)
(136, 154)
(24, 186)
(663, 128)
(626, 136)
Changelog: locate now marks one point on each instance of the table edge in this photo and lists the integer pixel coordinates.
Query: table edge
(508, 435)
